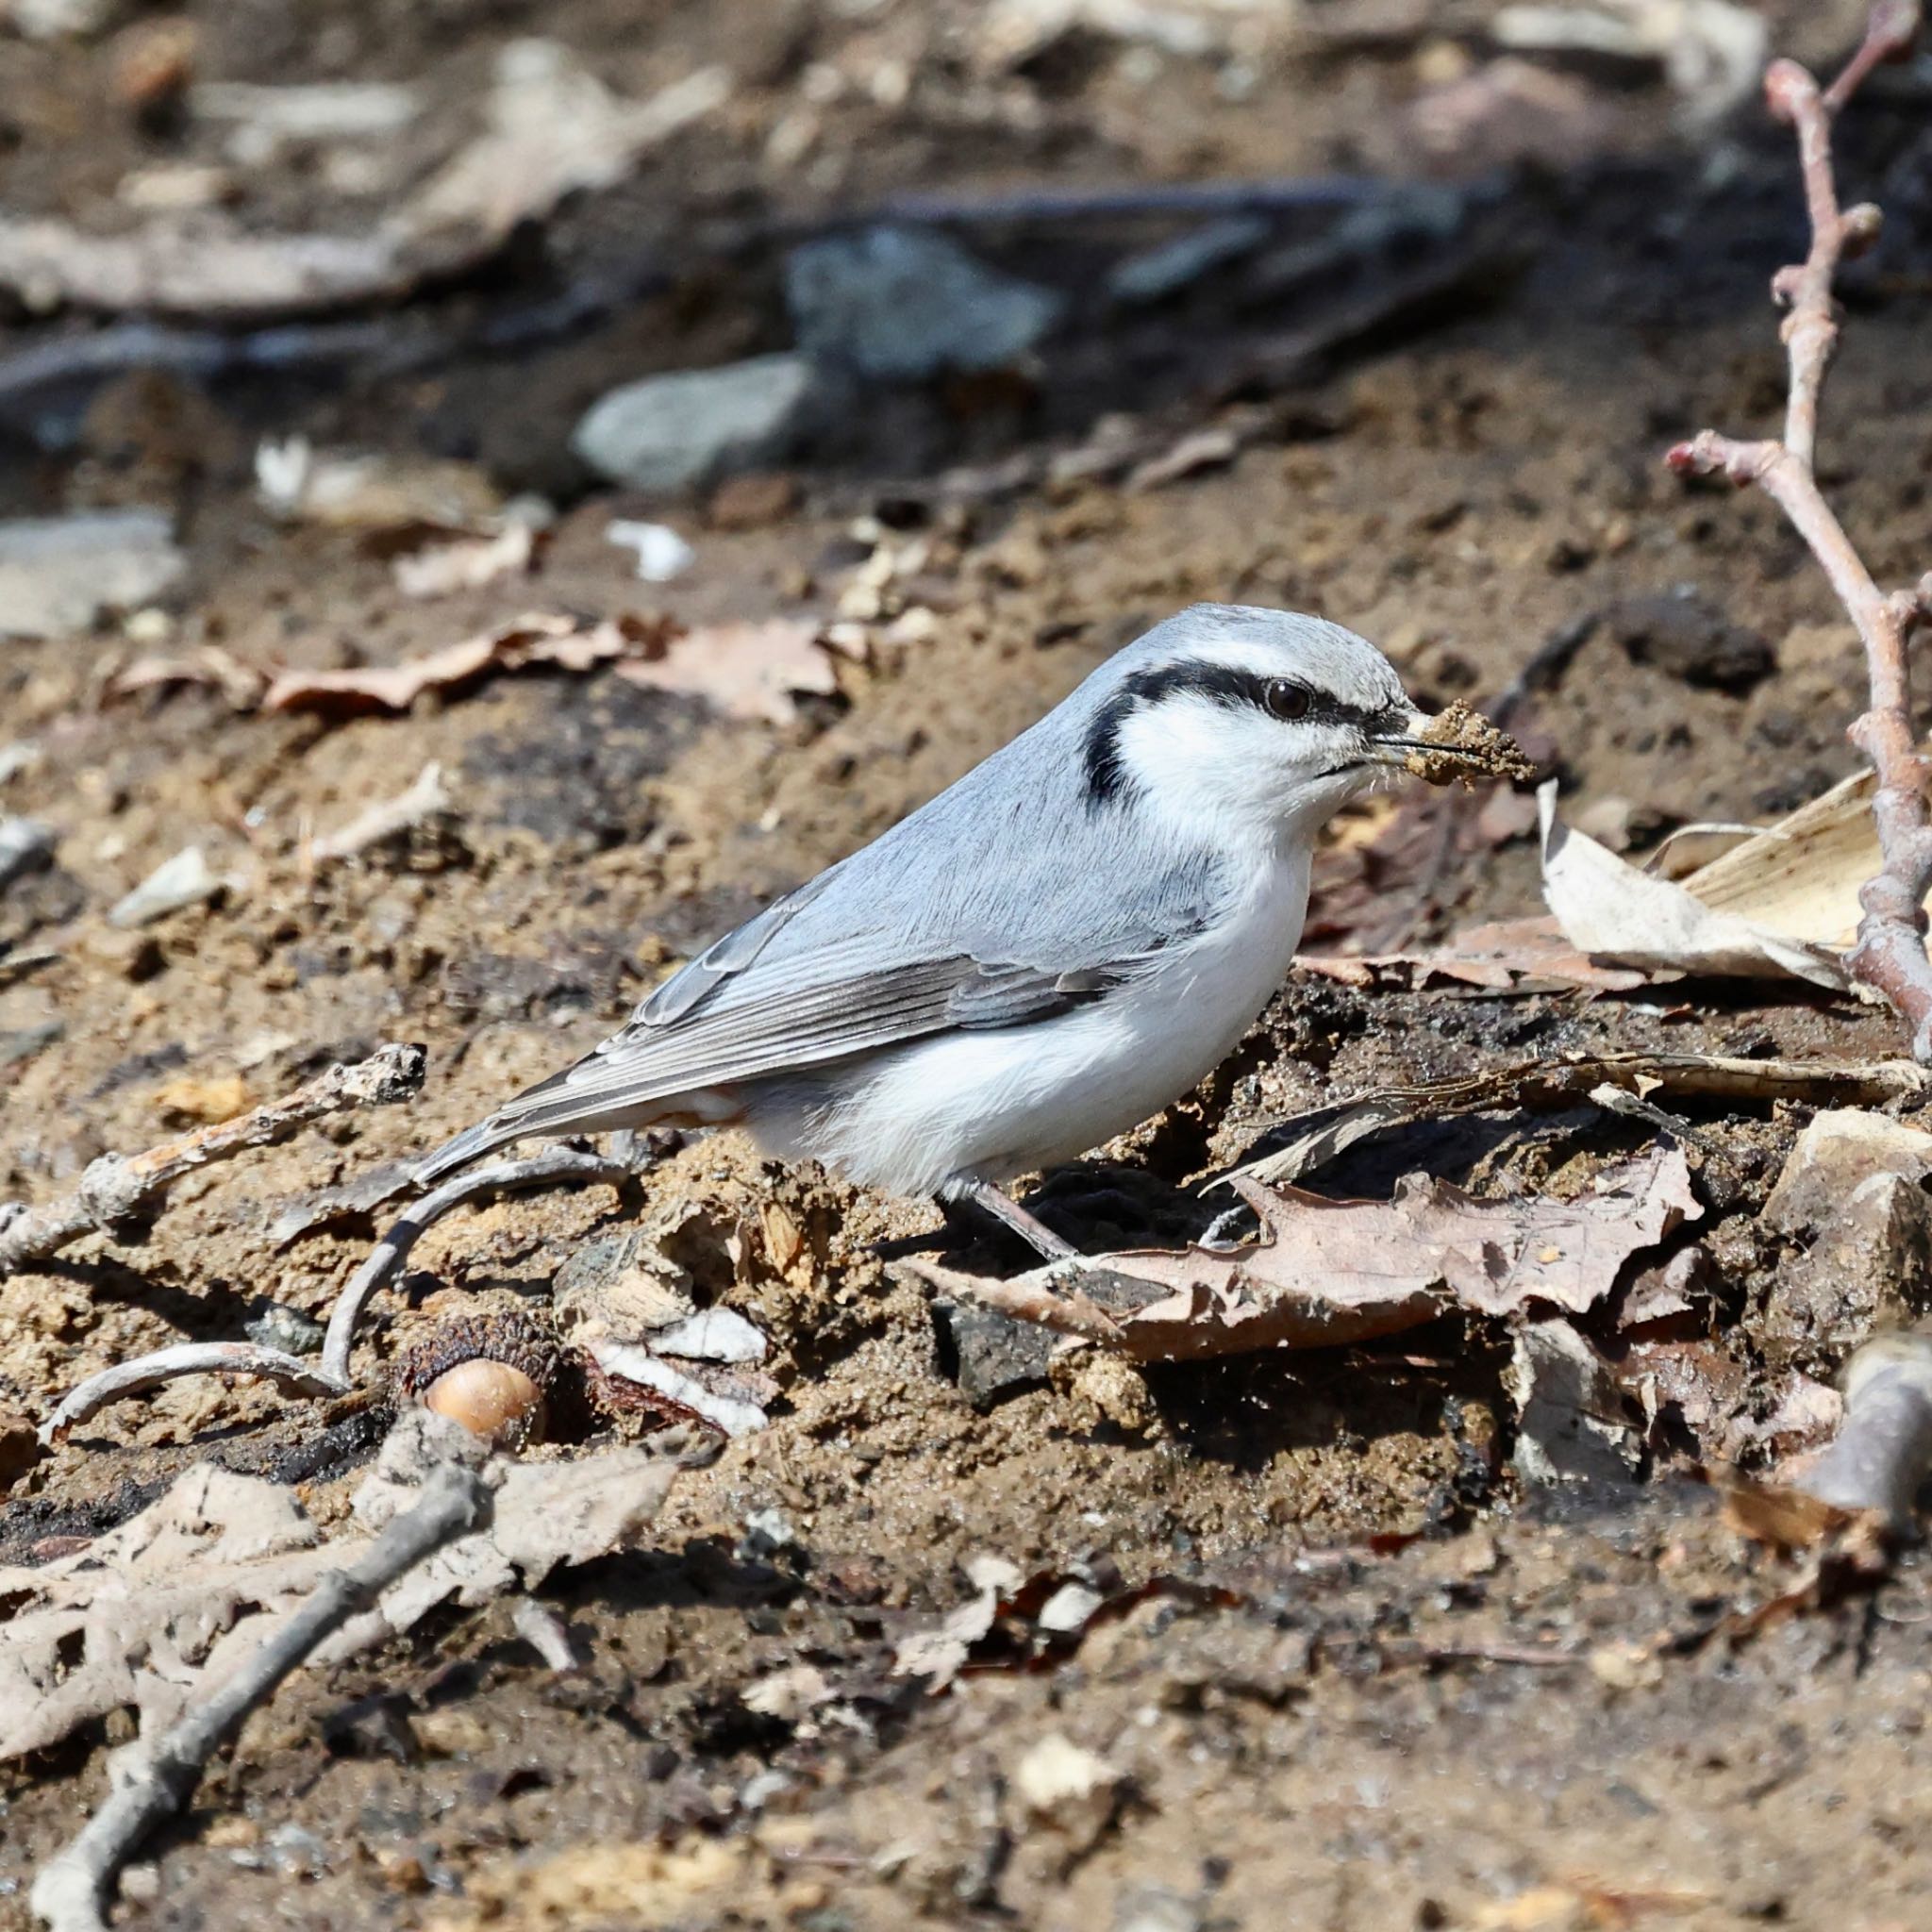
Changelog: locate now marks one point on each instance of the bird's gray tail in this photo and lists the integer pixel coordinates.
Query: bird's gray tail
(549, 1108)
(473, 1142)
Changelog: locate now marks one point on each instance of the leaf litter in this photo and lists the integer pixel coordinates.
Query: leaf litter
(1784, 903)
(552, 129)
(177, 1594)
(1327, 1272)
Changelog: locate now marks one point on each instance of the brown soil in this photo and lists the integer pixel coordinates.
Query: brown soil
(1329, 1709)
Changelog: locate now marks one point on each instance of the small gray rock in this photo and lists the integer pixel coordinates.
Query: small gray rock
(1154, 1909)
(1870, 1267)
(59, 574)
(1570, 1417)
(670, 433)
(989, 1355)
(25, 845)
(1840, 1148)
(1687, 638)
(904, 305)
(287, 1329)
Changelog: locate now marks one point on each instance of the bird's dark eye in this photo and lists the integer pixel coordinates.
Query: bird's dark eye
(1287, 699)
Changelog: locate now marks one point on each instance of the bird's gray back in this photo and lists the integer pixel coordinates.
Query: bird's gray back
(1014, 862)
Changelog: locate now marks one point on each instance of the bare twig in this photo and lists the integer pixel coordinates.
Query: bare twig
(1884, 1450)
(147, 1371)
(1889, 952)
(331, 1375)
(424, 800)
(1029, 1298)
(116, 1186)
(157, 1780)
(386, 1258)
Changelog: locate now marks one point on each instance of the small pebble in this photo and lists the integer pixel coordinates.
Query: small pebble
(286, 1328)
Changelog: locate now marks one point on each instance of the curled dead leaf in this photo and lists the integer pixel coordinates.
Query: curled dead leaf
(535, 638)
(1329, 1272)
(1781, 906)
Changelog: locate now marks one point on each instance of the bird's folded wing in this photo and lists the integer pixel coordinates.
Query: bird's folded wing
(801, 1027)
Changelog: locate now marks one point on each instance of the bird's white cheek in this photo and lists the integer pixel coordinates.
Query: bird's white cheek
(1205, 767)
(1198, 764)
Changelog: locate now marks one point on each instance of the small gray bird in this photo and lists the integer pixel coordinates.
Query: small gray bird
(1051, 951)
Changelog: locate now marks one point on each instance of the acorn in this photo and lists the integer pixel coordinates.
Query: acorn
(491, 1369)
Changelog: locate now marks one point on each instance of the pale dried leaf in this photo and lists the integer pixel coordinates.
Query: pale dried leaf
(181, 1591)
(1374, 1266)
(544, 1515)
(1327, 1272)
(1613, 912)
(750, 670)
(1802, 874)
(84, 1634)
(554, 129)
(467, 564)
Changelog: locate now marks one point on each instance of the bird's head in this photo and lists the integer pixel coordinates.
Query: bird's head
(1238, 720)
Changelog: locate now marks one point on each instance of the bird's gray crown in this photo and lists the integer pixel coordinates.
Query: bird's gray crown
(1300, 669)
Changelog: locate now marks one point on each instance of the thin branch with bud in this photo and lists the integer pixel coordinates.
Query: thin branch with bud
(1888, 952)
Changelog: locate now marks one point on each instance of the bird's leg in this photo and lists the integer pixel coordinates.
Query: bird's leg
(1009, 1213)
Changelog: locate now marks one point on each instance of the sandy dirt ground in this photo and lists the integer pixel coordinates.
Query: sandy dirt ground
(1354, 1671)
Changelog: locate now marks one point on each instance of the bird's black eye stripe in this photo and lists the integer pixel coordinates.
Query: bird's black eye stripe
(1285, 698)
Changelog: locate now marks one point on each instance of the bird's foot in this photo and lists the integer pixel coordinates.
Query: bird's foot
(1010, 1214)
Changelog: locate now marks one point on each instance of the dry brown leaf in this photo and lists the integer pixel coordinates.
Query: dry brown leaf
(1785, 1519)
(180, 1591)
(536, 638)
(208, 664)
(1503, 957)
(1329, 1272)
(750, 670)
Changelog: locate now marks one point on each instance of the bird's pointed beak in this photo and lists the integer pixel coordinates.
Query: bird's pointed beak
(1403, 736)
(1454, 748)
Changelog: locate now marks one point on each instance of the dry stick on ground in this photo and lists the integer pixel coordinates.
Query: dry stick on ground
(115, 1185)
(386, 1258)
(330, 1377)
(147, 1371)
(1889, 952)
(157, 1780)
